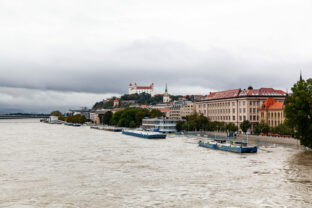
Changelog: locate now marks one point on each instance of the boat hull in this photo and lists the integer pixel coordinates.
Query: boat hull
(230, 148)
(145, 136)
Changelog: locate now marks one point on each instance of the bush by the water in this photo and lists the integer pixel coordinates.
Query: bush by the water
(76, 119)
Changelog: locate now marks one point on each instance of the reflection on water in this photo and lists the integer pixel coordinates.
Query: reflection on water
(45, 165)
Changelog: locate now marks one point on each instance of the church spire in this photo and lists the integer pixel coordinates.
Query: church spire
(300, 75)
(166, 90)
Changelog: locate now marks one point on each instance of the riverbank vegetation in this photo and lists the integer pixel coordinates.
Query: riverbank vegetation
(298, 111)
(130, 117)
(71, 119)
(198, 122)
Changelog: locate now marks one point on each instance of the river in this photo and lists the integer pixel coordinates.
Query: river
(43, 165)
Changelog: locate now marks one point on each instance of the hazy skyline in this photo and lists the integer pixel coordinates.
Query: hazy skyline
(61, 54)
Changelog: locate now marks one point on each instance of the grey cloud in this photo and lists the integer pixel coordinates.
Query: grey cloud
(145, 62)
(98, 47)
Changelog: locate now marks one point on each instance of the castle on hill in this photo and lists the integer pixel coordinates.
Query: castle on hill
(133, 89)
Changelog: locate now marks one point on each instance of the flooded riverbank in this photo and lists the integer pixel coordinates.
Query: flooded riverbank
(44, 165)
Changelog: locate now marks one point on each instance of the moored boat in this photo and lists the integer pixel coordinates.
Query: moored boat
(228, 147)
(112, 128)
(72, 124)
(107, 128)
(144, 134)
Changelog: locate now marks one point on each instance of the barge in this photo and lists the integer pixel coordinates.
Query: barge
(111, 128)
(107, 128)
(228, 147)
(144, 134)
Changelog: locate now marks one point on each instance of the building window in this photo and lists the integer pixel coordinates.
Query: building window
(244, 118)
(244, 103)
(254, 118)
(233, 103)
(254, 110)
(240, 110)
(240, 118)
(250, 103)
(244, 109)
(250, 110)
(250, 118)
(233, 118)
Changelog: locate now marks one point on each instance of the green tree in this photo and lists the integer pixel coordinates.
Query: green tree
(116, 117)
(155, 113)
(231, 127)
(298, 111)
(262, 128)
(245, 125)
(77, 119)
(56, 113)
(132, 124)
(179, 126)
(107, 117)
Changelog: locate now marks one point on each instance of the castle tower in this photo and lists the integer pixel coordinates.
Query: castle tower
(166, 97)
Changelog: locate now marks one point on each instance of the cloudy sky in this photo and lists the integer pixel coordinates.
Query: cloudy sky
(60, 54)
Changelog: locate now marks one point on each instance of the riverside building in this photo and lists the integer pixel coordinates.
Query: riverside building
(272, 112)
(236, 106)
(181, 109)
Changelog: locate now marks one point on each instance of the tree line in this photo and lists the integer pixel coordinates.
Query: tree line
(198, 122)
(71, 119)
(129, 117)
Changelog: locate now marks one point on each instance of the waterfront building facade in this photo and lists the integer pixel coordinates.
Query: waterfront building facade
(272, 112)
(181, 109)
(236, 106)
(188, 109)
(133, 89)
(163, 124)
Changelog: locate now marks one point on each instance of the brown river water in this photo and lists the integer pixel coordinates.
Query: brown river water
(43, 165)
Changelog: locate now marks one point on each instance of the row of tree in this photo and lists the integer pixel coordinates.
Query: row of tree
(198, 122)
(282, 129)
(129, 117)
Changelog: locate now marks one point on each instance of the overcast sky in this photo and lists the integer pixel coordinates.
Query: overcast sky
(60, 54)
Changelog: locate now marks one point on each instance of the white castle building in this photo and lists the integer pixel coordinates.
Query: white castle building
(140, 89)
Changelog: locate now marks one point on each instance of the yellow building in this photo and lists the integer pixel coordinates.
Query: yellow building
(272, 112)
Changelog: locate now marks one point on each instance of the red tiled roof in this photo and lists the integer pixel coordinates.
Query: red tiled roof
(144, 87)
(242, 93)
(271, 103)
(164, 110)
(223, 94)
(117, 109)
